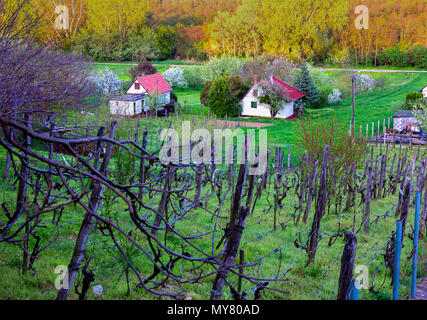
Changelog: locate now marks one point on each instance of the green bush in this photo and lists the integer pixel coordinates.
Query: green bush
(225, 95)
(418, 57)
(224, 66)
(395, 57)
(167, 38)
(194, 78)
(413, 99)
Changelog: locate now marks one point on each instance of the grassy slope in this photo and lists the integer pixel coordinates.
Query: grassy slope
(370, 107)
(317, 281)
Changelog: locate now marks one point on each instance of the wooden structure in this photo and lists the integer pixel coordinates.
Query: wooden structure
(405, 120)
(134, 102)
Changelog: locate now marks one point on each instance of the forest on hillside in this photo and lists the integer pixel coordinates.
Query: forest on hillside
(319, 31)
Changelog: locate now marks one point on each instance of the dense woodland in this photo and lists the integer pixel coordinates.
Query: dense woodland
(320, 31)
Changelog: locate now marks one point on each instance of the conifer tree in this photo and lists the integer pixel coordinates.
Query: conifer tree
(305, 84)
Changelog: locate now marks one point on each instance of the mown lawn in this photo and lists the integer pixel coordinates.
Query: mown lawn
(369, 107)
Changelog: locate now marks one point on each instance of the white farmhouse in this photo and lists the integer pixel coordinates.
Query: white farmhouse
(134, 101)
(251, 106)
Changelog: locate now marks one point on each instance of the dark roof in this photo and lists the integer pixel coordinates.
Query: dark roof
(155, 83)
(405, 114)
(129, 97)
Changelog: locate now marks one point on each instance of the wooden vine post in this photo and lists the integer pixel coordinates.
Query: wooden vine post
(347, 266)
(88, 222)
(234, 231)
(320, 207)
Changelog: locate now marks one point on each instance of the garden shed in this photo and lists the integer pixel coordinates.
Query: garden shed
(402, 119)
(127, 105)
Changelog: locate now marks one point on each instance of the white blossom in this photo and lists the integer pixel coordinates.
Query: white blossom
(175, 78)
(220, 67)
(335, 97)
(364, 82)
(107, 82)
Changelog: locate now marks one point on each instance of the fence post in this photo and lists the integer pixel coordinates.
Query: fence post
(367, 131)
(396, 268)
(354, 290)
(415, 250)
(347, 266)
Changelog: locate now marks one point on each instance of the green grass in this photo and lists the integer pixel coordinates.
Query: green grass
(317, 281)
(369, 107)
(364, 67)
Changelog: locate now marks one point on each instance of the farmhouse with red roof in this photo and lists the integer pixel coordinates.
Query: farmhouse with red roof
(251, 106)
(135, 100)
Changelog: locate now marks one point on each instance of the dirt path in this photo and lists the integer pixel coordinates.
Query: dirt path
(421, 293)
(324, 69)
(373, 70)
(154, 64)
(230, 124)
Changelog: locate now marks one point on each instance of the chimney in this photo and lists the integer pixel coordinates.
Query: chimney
(255, 80)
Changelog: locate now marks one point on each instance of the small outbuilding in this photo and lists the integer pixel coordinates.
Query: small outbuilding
(134, 102)
(404, 118)
(252, 107)
(127, 105)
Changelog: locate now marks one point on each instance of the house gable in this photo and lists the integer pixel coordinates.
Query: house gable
(251, 99)
(136, 88)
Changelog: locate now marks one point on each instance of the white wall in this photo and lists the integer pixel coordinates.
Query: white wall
(166, 98)
(400, 123)
(125, 108)
(262, 109)
(134, 91)
(425, 92)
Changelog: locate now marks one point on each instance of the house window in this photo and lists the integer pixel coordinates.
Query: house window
(254, 104)
(137, 86)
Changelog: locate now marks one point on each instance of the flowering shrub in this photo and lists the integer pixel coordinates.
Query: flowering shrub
(175, 78)
(335, 97)
(107, 82)
(364, 83)
(221, 67)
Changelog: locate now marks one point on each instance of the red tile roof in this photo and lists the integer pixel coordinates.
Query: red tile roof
(292, 93)
(154, 83)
